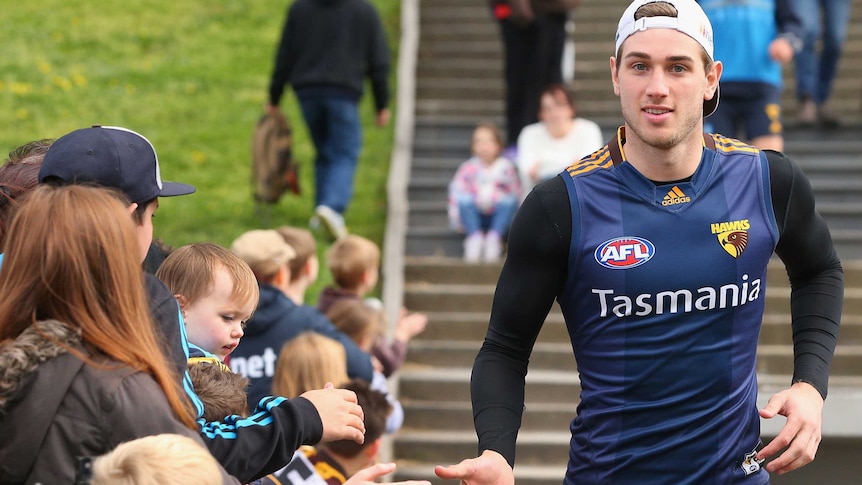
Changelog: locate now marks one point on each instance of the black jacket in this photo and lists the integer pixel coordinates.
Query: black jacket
(332, 45)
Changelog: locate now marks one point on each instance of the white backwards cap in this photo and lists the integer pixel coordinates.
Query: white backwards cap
(691, 20)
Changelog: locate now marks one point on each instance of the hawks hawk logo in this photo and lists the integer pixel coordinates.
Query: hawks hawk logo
(732, 236)
(733, 242)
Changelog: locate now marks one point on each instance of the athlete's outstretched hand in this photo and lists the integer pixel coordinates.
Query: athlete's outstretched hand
(340, 413)
(367, 476)
(802, 405)
(489, 468)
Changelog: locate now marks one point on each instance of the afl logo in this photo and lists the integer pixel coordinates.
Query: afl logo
(624, 252)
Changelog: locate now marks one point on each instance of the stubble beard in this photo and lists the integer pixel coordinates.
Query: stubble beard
(651, 137)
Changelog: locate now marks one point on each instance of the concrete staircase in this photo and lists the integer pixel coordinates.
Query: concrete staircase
(459, 82)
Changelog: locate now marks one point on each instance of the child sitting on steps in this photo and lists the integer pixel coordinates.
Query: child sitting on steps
(483, 196)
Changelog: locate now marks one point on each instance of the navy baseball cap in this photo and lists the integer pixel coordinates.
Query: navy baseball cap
(109, 156)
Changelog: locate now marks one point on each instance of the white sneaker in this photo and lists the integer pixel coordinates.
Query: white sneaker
(492, 249)
(314, 223)
(332, 221)
(473, 247)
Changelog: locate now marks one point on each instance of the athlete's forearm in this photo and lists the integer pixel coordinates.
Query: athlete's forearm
(530, 280)
(816, 277)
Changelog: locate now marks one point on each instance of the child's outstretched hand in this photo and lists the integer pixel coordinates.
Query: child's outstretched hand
(410, 325)
(339, 412)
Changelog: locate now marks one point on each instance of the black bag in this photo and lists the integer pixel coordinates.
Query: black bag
(274, 170)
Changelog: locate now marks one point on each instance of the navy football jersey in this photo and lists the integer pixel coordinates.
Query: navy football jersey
(664, 301)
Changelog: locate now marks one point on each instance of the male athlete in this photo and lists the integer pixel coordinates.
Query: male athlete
(656, 248)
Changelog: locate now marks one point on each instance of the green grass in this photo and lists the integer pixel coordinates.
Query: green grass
(190, 76)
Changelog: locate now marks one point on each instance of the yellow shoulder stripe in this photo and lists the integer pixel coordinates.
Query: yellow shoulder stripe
(599, 159)
(727, 145)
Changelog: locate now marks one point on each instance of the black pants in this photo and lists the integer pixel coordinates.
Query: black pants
(533, 60)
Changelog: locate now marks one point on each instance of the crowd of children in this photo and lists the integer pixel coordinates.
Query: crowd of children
(115, 375)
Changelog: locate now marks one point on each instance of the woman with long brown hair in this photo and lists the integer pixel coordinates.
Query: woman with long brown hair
(82, 367)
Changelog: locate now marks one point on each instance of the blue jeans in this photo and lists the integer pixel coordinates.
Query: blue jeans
(828, 18)
(499, 220)
(333, 122)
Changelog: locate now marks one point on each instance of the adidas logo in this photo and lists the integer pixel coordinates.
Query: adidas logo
(675, 196)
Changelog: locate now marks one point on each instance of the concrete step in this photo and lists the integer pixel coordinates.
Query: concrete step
(545, 356)
(459, 415)
(428, 213)
(428, 188)
(434, 241)
(450, 145)
(481, 109)
(446, 270)
(459, 84)
(836, 188)
(455, 47)
(841, 215)
(469, 91)
(848, 243)
(842, 159)
(431, 144)
(465, 31)
(776, 330)
(419, 382)
(473, 69)
(434, 13)
(778, 359)
(435, 166)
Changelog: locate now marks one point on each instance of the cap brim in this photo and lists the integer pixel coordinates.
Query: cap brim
(171, 189)
(709, 106)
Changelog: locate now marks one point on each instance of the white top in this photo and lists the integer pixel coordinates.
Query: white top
(536, 145)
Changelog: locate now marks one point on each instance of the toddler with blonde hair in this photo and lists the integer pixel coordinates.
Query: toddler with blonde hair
(217, 292)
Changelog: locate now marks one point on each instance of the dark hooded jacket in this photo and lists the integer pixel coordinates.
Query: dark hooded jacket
(277, 320)
(54, 407)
